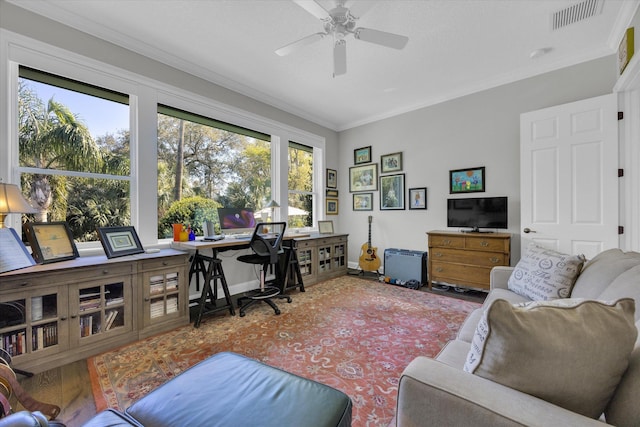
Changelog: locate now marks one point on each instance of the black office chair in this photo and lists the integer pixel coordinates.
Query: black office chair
(266, 244)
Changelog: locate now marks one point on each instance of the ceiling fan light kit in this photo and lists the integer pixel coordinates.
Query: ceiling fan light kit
(339, 22)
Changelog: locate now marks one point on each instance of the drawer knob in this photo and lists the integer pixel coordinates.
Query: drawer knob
(446, 242)
(165, 263)
(105, 271)
(484, 244)
(438, 254)
(494, 260)
(63, 318)
(24, 284)
(439, 269)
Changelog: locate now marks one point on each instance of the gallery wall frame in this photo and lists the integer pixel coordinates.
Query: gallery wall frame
(119, 241)
(392, 192)
(362, 155)
(331, 207)
(418, 198)
(332, 193)
(470, 180)
(332, 178)
(363, 178)
(362, 201)
(50, 241)
(391, 163)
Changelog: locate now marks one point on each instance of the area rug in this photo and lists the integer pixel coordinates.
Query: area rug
(352, 334)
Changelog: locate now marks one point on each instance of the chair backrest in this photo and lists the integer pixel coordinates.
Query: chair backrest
(267, 240)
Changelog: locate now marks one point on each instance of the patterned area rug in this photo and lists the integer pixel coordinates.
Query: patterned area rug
(352, 334)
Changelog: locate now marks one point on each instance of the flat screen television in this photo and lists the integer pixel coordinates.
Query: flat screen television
(477, 212)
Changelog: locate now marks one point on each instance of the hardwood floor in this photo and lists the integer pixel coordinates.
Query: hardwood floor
(68, 387)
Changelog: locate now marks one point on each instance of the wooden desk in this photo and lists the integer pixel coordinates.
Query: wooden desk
(214, 272)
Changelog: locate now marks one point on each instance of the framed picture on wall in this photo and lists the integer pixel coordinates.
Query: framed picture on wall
(332, 178)
(469, 180)
(418, 198)
(362, 201)
(392, 192)
(332, 207)
(362, 155)
(363, 178)
(391, 163)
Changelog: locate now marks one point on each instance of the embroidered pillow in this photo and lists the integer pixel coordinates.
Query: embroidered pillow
(570, 352)
(544, 274)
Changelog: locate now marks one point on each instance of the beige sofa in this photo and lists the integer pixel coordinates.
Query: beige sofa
(438, 392)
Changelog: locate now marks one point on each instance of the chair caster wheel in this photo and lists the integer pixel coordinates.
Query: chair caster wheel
(242, 314)
(289, 300)
(277, 312)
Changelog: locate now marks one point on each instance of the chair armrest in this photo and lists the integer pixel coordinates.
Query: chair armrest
(432, 393)
(499, 277)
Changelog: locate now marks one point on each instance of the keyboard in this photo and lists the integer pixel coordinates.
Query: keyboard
(214, 237)
(241, 237)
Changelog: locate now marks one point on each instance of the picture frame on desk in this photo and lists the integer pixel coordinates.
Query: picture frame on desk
(120, 241)
(50, 241)
(325, 227)
(13, 253)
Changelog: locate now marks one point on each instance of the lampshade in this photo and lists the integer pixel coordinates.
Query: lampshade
(272, 204)
(12, 201)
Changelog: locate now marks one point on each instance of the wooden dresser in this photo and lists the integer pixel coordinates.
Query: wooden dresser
(466, 259)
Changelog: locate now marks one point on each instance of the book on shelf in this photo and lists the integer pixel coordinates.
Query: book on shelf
(113, 301)
(111, 317)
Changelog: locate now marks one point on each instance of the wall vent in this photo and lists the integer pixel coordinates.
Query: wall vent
(576, 13)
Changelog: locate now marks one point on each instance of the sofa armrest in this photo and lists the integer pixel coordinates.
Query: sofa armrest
(24, 419)
(499, 277)
(431, 393)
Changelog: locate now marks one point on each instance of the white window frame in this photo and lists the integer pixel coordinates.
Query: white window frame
(144, 96)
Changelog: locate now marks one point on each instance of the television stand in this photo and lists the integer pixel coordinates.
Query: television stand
(477, 230)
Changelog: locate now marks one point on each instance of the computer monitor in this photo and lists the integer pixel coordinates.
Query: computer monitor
(236, 221)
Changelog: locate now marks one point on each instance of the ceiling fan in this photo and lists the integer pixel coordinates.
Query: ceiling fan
(339, 22)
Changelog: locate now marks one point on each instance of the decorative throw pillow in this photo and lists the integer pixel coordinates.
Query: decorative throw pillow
(570, 352)
(544, 274)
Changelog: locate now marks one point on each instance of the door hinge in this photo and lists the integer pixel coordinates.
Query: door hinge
(620, 229)
(620, 173)
(620, 115)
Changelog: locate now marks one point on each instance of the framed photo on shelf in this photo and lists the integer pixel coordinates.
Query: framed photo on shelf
(362, 155)
(50, 241)
(332, 178)
(362, 201)
(119, 241)
(466, 180)
(391, 163)
(332, 193)
(363, 178)
(325, 227)
(332, 207)
(418, 198)
(392, 192)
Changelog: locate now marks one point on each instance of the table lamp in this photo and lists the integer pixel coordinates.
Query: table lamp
(12, 201)
(272, 205)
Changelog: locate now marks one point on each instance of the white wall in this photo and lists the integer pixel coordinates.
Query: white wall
(476, 130)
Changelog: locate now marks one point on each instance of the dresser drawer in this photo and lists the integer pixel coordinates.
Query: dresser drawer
(484, 244)
(446, 241)
(480, 258)
(460, 274)
(154, 264)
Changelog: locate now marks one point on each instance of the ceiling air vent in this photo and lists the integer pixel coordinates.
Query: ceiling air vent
(576, 13)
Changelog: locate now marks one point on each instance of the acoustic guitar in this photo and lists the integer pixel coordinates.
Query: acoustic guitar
(369, 260)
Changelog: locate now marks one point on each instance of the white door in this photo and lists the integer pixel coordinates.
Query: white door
(569, 176)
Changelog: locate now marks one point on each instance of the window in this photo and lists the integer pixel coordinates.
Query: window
(300, 184)
(204, 164)
(73, 145)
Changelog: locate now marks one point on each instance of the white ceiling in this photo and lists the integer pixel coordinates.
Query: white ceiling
(456, 47)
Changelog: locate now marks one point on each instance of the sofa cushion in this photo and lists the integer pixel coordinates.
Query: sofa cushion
(543, 274)
(623, 409)
(598, 273)
(454, 353)
(569, 352)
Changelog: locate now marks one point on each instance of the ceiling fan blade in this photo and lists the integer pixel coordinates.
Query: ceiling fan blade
(394, 41)
(287, 49)
(313, 8)
(339, 58)
(358, 8)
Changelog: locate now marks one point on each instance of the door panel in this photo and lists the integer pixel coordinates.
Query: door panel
(569, 187)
